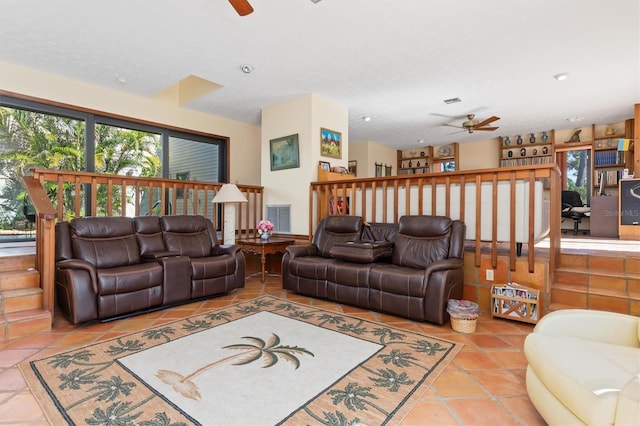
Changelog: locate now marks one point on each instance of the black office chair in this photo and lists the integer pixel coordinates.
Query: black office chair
(573, 208)
(29, 214)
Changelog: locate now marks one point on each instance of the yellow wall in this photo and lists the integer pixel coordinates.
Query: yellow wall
(478, 155)
(244, 138)
(368, 153)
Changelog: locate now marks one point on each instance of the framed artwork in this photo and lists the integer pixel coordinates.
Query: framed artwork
(181, 176)
(330, 143)
(378, 169)
(353, 167)
(284, 153)
(325, 165)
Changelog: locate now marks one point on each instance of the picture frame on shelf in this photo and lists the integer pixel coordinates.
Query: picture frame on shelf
(284, 153)
(325, 165)
(340, 169)
(353, 167)
(330, 143)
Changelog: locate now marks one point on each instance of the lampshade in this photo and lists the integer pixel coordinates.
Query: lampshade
(229, 193)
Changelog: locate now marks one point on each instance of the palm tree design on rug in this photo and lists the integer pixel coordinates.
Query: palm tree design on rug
(270, 350)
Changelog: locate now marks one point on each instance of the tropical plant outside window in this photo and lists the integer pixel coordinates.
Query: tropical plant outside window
(578, 173)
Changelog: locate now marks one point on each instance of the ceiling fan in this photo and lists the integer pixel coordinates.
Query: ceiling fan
(242, 7)
(472, 124)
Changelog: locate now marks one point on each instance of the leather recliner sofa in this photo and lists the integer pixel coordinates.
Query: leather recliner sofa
(410, 269)
(108, 267)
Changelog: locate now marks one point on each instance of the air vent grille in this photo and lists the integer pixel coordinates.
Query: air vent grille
(280, 216)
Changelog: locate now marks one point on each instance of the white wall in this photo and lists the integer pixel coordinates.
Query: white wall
(244, 139)
(305, 116)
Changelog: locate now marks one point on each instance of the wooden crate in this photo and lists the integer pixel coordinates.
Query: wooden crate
(516, 302)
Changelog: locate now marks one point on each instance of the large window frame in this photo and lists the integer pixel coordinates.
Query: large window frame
(92, 118)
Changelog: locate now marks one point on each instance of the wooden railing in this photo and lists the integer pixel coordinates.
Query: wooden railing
(386, 199)
(76, 194)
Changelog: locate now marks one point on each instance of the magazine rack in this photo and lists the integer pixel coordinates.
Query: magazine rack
(516, 302)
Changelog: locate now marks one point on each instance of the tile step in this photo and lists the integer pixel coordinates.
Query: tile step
(13, 280)
(20, 300)
(25, 323)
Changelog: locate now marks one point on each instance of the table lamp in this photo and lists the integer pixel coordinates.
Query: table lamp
(229, 195)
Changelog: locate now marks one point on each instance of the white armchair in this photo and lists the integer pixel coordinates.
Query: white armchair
(584, 367)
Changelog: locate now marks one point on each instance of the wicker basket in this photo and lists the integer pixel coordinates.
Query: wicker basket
(464, 325)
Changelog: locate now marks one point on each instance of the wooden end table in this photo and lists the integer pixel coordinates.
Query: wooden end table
(264, 247)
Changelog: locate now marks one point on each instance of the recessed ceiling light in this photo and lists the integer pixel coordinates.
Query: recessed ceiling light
(121, 80)
(247, 69)
(420, 140)
(452, 101)
(561, 76)
(366, 118)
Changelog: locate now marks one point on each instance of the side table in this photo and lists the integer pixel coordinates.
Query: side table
(264, 247)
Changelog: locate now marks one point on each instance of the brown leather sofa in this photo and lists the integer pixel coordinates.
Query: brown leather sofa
(108, 267)
(410, 269)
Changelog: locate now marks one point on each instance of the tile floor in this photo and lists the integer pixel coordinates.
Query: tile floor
(484, 385)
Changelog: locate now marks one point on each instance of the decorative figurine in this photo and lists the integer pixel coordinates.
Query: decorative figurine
(575, 137)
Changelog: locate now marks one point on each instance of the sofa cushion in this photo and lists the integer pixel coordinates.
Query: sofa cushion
(212, 266)
(126, 279)
(421, 241)
(396, 279)
(584, 375)
(361, 252)
(187, 235)
(313, 267)
(149, 234)
(105, 242)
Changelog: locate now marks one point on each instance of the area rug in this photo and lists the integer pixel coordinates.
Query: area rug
(261, 362)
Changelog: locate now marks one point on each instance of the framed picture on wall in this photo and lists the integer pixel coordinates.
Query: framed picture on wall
(330, 143)
(284, 153)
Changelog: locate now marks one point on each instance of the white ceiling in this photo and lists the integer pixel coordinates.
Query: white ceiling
(395, 61)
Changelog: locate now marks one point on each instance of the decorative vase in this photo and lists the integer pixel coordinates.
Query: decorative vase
(532, 138)
(523, 152)
(519, 140)
(545, 137)
(507, 141)
(264, 236)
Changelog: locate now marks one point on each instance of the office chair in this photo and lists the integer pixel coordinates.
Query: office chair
(573, 208)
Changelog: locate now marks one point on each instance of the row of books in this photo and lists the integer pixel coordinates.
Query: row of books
(526, 161)
(522, 308)
(605, 158)
(611, 177)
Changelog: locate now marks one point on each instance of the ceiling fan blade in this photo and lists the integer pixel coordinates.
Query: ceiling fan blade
(451, 125)
(486, 128)
(454, 133)
(242, 7)
(487, 121)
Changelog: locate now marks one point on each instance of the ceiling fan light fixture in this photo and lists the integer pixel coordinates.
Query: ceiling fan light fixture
(366, 118)
(561, 76)
(452, 101)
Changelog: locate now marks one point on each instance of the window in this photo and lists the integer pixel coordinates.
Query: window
(47, 136)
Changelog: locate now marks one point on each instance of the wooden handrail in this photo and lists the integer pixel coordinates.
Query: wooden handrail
(385, 199)
(141, 194)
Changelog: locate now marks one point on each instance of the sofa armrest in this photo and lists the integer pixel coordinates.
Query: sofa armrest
(598, 326)
(225, 249)
(301, 251)
(83, 265)
(443, 265)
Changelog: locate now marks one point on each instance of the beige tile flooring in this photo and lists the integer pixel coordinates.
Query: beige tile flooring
(484, 385)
